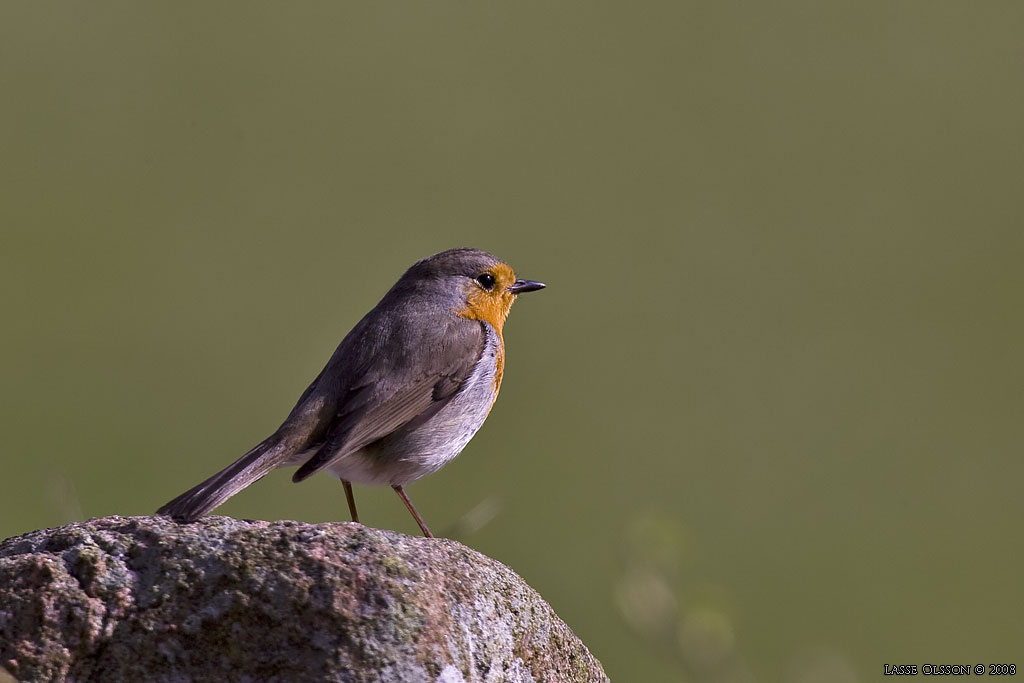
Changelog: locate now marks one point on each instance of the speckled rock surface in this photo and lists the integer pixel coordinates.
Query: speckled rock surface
(146, 599)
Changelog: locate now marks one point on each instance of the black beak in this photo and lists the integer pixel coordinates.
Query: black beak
(520, 286)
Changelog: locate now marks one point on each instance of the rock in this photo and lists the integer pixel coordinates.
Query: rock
(146, 599)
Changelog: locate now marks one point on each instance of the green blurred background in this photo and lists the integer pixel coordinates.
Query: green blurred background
(764, 424)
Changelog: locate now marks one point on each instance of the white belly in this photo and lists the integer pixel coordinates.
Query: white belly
(405, 456)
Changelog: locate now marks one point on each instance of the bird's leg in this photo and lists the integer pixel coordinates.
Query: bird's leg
(351, 499)
(408, 503)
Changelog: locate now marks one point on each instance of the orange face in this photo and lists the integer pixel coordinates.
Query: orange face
(491, 305)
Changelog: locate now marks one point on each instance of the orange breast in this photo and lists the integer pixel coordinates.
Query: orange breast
(499, 369)
(492, 306)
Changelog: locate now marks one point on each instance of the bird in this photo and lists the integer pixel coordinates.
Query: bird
(403, 393)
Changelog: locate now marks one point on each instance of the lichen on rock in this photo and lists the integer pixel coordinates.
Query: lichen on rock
(144, 598)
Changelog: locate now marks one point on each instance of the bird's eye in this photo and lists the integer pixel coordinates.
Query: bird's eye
(486, 280)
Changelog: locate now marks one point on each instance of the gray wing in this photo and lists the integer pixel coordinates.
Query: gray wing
(383, 384)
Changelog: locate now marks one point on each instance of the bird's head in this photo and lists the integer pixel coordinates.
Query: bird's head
(487, 286)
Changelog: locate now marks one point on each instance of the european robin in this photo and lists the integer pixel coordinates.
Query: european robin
(403, 393)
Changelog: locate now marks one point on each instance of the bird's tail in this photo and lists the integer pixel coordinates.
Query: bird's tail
(200, 499)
